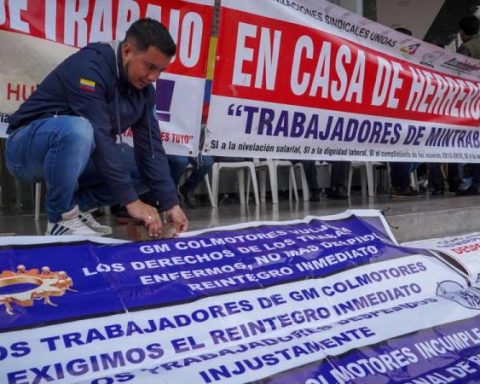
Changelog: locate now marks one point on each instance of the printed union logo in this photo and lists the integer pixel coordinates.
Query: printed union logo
(465, 296)
(410, 49)
(429, 58)
(24, 286)
(461, 66)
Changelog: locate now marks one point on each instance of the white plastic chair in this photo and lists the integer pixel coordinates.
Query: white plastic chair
(325, 172)
(206, 180)
(414, 179)
(272, 167)
(239, 167)
(37, 203)
(38, 186)
(367, 169)
(37, 197)
(303, 180)
(208, 187)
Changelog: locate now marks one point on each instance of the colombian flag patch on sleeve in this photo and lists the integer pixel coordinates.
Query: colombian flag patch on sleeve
(87, 85)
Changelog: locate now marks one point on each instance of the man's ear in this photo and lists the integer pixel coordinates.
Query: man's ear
(127, 49)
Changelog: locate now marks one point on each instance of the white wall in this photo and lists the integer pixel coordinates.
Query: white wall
(355, 6)
(415, 15)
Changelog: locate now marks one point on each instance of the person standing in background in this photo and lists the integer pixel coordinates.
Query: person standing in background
(469, 27)
(400, 171)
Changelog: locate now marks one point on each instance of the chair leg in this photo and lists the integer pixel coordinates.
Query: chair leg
(370, 179)
(241, 185)
(414, 179)
(209, 190)
(263, 184)
(349, 183)
(18, 193)
(38, 196)
(251, 167)
(272, 173)
(215, 179)
(363, 180)
(305, 187)
(292, 183)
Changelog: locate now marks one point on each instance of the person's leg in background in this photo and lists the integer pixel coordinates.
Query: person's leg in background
(200, 169)
(474, 188)
(436, 179)
(311, 175)
(93, 192)
(422, 171)
(400, 179)
(338, 179)
(92, 188)
(454, 176)
(178, 165)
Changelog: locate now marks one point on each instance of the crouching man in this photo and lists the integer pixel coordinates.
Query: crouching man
(65, 135)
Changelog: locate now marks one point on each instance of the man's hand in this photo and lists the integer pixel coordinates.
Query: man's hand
(148, 214)
(177, 218)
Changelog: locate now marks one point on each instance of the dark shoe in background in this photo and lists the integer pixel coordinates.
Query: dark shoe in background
(314, 196)
(405, 193)
(470, 191)
(188, 197)
(453, 189)
(438, 192)
(336, 194)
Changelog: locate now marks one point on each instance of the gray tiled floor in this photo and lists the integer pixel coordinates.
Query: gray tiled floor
(413, 219)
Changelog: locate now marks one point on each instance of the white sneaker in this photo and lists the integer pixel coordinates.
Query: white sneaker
(71, 224)
(90, 222)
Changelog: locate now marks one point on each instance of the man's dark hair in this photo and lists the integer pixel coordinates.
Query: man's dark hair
(470, 25)
(147, 33)
(404, 31)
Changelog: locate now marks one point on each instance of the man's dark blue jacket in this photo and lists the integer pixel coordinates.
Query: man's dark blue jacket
(91, 83)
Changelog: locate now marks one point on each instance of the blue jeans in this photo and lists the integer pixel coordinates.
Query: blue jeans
(178, 166)
(58, 150)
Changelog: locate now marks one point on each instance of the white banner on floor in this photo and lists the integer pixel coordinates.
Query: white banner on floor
(463, 251)
(309, 80)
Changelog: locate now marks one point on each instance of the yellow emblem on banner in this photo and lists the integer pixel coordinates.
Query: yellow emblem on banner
(45, 282)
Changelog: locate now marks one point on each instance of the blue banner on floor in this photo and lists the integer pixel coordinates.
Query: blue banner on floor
(321, 300)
